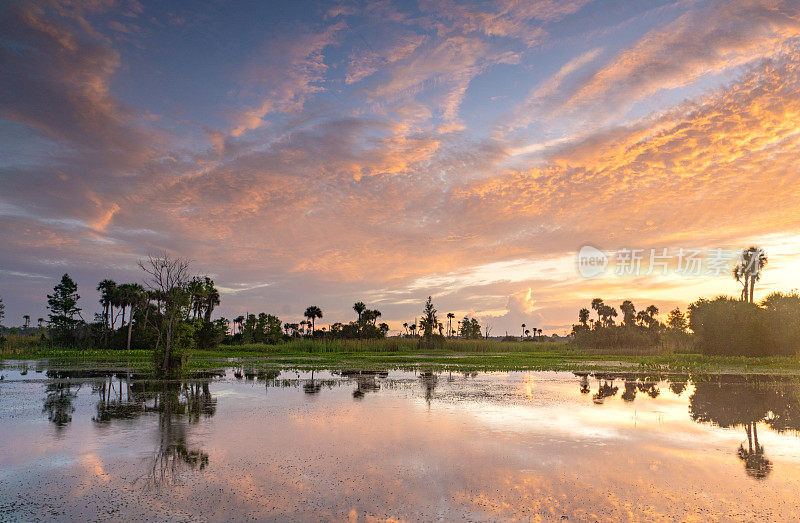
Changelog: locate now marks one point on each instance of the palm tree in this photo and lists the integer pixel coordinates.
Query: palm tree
(40, 321)
(359, 307)
(212, 300)
(313, 312)
(751, 261)
(413, 328)
(405, 328)
(527, 333)
(106, 289)
(196, 291)
(598, 305)
(583, 317)
(238, 320)
(540, 334)
(523, 330)
(27, 318)
(134, 296)
(450, 317)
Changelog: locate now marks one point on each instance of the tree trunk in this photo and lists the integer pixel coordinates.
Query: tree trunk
(168, 345)
(130, 327)
(752, 287)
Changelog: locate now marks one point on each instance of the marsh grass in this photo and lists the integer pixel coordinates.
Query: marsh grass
(407, 353)
(19, 343)
(391, 345)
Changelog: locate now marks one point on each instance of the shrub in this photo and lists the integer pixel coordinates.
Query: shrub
(726, 326)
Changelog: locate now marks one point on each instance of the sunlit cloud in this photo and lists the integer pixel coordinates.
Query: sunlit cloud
(390, 152)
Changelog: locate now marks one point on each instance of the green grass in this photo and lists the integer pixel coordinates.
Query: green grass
(406, 353)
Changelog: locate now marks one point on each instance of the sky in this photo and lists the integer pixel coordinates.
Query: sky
(310, 153)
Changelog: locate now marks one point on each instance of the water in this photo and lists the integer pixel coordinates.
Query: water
(399, 445)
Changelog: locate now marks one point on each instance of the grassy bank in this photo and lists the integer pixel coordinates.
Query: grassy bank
(405, 353)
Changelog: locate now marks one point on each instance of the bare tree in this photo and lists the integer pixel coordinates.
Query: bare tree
(167, 277)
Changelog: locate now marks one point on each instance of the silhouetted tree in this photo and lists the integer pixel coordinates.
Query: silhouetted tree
(63, 306)
(429, 320)
(583, 317)
(677, 320)
(628, 313)
(312, 313)
(168, 277)
(359, 307)
(748, 271)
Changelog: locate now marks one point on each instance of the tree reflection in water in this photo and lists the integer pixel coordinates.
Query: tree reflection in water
(429, 381)
(121, 397)
(175, 404)
(724, 401)
(58, 399)
(742, 402)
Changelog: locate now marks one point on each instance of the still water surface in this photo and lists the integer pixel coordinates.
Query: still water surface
(290, 445)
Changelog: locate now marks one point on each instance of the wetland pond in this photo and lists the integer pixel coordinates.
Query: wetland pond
(405, 445)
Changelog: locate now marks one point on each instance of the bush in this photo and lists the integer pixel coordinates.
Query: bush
(783, 321)
(207, 334)
(725, 326)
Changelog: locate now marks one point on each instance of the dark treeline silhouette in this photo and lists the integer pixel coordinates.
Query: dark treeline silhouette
(432, 330)
(637, 329)
(734, 327)
(168, 313)
(719, 326)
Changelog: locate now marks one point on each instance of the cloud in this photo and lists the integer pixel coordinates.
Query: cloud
(700, 42)
(286, 73)
(47, 60)
(369, 178)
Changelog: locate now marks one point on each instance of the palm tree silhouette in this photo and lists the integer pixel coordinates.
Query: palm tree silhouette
(106, 288)
(523, 330)
(312, 313)
(751, 261)
(450, 317)
(27, 318)
(359, 307)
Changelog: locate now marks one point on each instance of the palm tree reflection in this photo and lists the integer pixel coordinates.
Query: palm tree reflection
(743, 402)
(755, 463)
(723, 401)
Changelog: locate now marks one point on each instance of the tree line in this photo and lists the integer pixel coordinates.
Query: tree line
(719, 326)
(170, 312)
